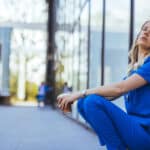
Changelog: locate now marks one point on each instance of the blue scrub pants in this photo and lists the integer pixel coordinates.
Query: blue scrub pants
(114, 127)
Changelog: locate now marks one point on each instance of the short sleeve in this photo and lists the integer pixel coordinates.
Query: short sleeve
(144, 70)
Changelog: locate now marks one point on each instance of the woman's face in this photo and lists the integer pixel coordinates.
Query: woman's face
(144, 37)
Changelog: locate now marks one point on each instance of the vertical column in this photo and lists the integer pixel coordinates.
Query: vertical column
(103, 43)
(50, 66)
(131, 32)
(89, 37)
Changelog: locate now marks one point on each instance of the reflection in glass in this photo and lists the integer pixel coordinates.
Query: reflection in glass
(116, 42)
(95, 43)
(142, 12)
(117, 28)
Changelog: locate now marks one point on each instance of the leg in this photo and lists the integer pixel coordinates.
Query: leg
(114, 125)
(112, 136)
(81, 110)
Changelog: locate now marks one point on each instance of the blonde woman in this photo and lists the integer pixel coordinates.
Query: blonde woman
(115, 128)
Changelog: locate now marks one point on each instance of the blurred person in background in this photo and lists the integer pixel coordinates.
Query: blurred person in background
(66, 88)
(41, 94)
(115, 128)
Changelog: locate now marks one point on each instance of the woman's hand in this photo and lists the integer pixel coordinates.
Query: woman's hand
(66, 99)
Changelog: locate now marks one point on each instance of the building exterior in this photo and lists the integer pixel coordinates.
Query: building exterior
(23, 58)
(90, 42)
(5, 37)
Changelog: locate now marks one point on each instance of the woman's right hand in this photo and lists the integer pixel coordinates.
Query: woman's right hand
(66, 99)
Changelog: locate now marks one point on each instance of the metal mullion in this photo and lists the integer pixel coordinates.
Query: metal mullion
(88, 48)
(131, 28)
(103, 43)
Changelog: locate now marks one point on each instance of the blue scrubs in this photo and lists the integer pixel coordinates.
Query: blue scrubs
(115, 128)
(138, 101)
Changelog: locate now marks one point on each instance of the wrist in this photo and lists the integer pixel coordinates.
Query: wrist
(83, 93)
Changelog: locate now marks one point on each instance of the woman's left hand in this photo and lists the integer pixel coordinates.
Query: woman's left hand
(66, 99)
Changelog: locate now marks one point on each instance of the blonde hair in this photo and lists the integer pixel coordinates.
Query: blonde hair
(133, 54)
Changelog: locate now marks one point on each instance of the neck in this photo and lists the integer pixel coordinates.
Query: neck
(141, 53)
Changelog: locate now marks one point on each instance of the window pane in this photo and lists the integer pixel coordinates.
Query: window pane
(84, 47)
(142, 12)
(117, 29)
(95, 42)
(117, 33)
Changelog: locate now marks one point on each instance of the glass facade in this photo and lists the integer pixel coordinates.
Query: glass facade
(83, 58)
(20, 11)
(95, 43)
(142, 14)
(27, 45)
(116, 42)
(79, 43)
(72, 45)
(5, 38)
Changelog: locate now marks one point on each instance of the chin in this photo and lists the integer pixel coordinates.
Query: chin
(141, 42)
(146, 47)
(143, 45)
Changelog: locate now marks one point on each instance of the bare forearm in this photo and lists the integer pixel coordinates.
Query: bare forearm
(108, 91)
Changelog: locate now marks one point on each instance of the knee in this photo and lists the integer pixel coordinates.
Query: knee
(93, 101)
(80, 104)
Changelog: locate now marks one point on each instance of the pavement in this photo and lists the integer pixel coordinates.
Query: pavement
(32, 128)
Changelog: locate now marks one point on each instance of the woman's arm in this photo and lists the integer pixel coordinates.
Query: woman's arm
(111, 91)
(119, 88)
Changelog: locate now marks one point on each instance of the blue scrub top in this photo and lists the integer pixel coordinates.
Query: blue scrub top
(137, 101)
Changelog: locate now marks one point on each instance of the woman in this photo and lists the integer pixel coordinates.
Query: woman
(41, 94)
(115, 128)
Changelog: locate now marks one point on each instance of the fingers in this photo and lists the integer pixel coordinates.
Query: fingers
(59, 99)
(63, 101)
(64, 104)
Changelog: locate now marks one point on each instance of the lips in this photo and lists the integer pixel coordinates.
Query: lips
(143, 38)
